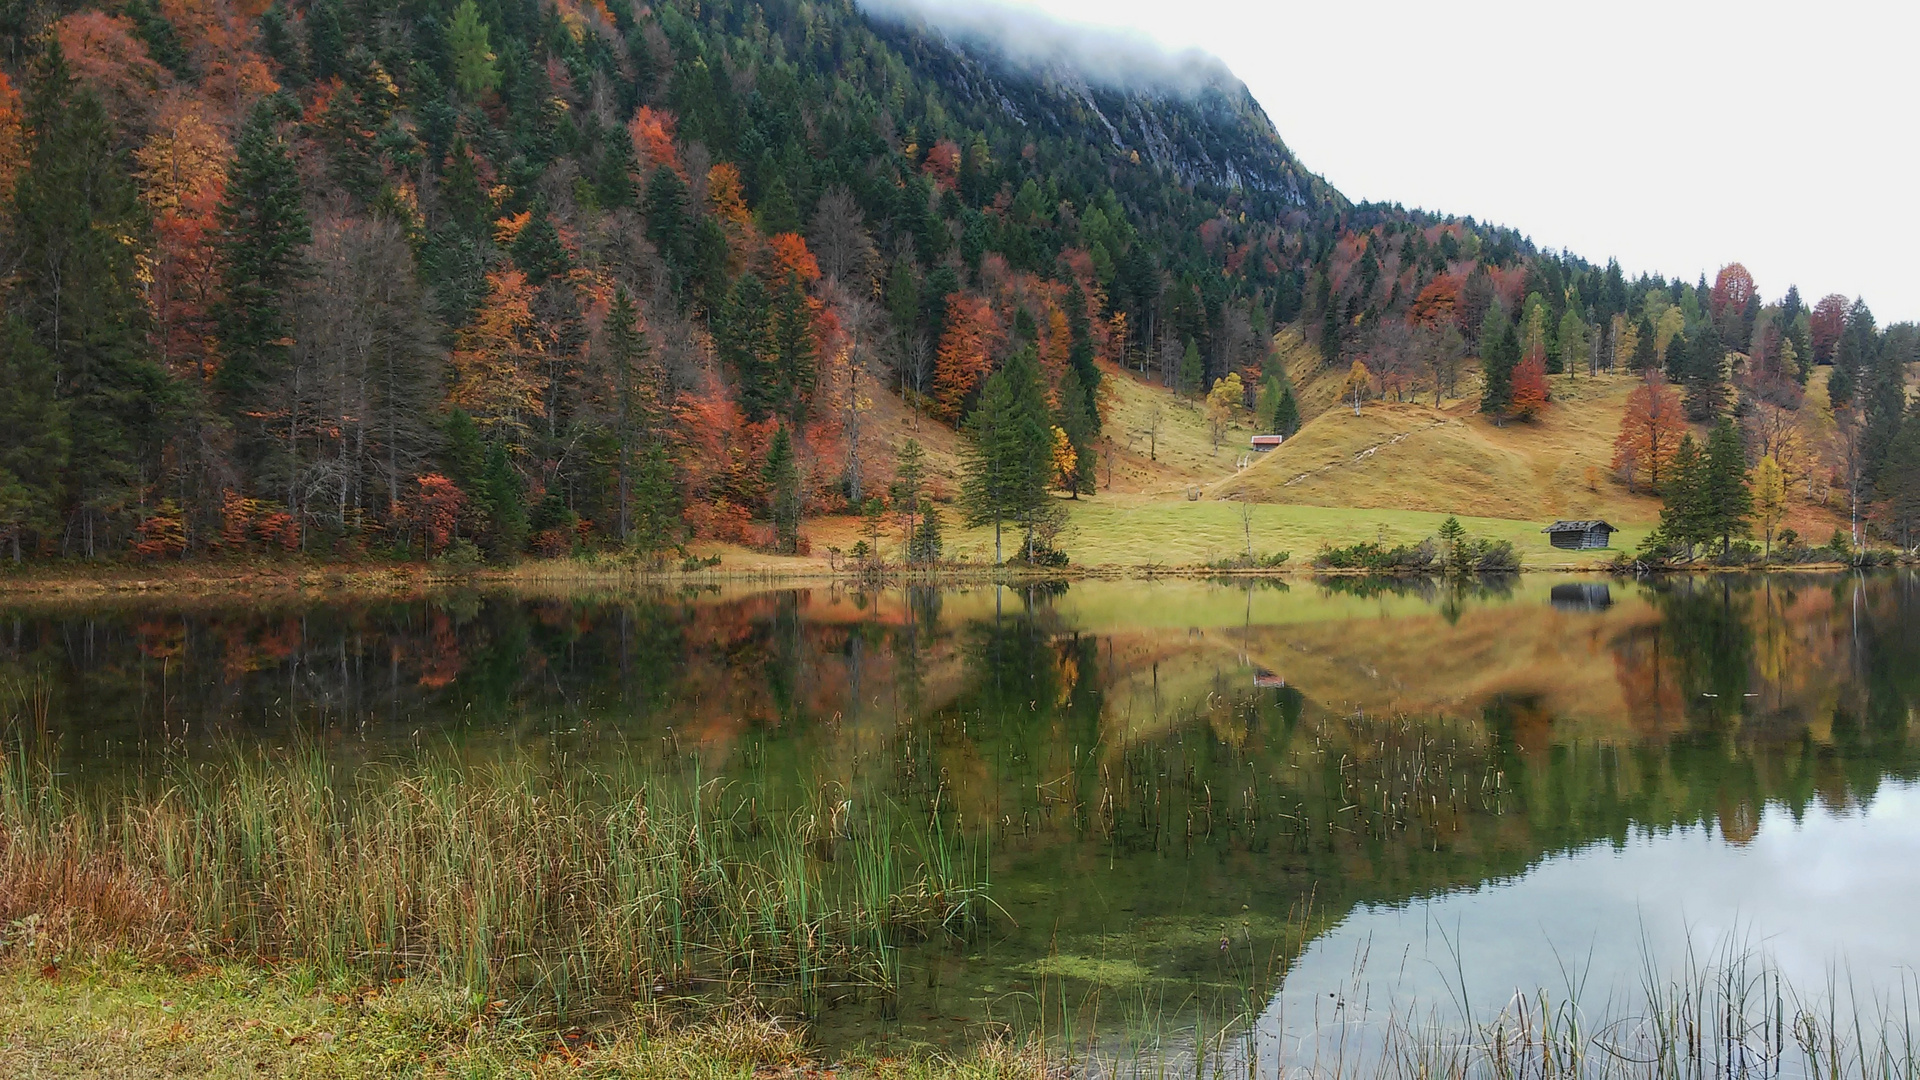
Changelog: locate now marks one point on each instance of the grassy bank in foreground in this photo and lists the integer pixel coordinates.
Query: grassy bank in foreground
(120, 1018)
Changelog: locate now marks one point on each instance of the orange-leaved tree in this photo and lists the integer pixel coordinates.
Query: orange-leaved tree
(1650, 432)
(1529, 389)
(963, 359)
(496, 358)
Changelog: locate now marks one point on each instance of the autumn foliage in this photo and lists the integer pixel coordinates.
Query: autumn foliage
(1529, 389)
(963, 360)
(1650, 433)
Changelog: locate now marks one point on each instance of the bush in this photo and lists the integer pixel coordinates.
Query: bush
(1493, 556)
(1367, 555)
(460, 555)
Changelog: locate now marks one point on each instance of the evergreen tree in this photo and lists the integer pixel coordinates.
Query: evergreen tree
(1679, 356)
(1726, 502)
(33, 442)
(1898, 513)
(656, 502)
(1705, 374)
(504, 495)
(263, 227)
(473, 71)
(669, 227)
(797, 364)
(781, 473)
(1645, 356)
(1192, 373)
(1684, 516)
(1497, 362)
(1080, 356)
(743, 339)
(78, 228)
(1008, 457)
(1075, 418)
(1286, 412)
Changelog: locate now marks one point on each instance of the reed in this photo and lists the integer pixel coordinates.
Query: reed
(556, 887)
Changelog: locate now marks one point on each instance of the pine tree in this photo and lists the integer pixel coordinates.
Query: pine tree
(78, 229)
(1684, 515)
(1076, 417)
(1726, 501)
(1081, 357)
(1191, 370)
(656, 502)
(263, 227)
(33, 442)
(637, 406)
(1645, 357)
(1705, 375)
(1009, 453)
(796, 359)
(1286, 413)
(781, 473)
(473, 69)
(743, 339)
(505, 496)
(1497, 363)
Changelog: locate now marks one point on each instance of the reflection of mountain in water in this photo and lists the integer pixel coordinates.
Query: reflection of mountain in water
(1149, 781)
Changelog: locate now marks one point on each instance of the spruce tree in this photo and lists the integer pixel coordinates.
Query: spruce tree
(1008, 457)
(1705, 372)
(504, 494)
(655, 520)
(78, 229)
(1080, 355)
(1286, 414)
(743, 340)
(1645, 357)
(263, 227)
(781, 474)
(797, 364)
(474, 73)
(1497, 362)
(1684, 516)
(1725, 499)
(1192, 372)
(1075, 418)
(33, 442)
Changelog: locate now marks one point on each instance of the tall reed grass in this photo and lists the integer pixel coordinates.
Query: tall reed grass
(560, 887)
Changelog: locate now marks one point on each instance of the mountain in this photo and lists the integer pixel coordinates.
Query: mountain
(1186, 116)
(507, 276)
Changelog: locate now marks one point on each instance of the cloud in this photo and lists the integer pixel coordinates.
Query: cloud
(1026, 38)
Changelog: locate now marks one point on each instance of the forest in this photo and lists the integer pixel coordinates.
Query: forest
(505, 277)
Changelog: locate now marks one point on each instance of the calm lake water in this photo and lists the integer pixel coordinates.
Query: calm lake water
(1312, 803)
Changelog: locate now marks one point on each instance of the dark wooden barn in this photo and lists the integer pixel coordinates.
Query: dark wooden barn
(1577, 535)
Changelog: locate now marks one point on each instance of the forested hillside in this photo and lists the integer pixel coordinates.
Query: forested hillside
(361, 279)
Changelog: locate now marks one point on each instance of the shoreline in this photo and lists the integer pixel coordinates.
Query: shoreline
(196, 579)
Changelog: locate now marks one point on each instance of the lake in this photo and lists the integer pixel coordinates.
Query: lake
(1304, 810)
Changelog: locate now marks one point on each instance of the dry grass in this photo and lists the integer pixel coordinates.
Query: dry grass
(559, 889)
(1452, 460)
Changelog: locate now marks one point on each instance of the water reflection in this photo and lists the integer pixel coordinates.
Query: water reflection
(1158, 768)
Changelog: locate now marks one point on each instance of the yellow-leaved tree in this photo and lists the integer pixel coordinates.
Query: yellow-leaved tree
(1769, 498)
(1222, 401)
(1066, 463)
(1358, 386)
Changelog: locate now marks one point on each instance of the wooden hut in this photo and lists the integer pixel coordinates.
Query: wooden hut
(1580, 535)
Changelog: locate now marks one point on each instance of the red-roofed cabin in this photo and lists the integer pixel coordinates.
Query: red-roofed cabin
(1264, 443)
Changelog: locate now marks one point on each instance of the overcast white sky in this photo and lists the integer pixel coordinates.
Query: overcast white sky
(1673, 135)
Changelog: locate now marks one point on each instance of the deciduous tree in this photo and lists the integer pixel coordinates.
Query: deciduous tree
(1650, 432)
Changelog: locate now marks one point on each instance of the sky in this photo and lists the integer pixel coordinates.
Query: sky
(1820, 901)
(1674, 136)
